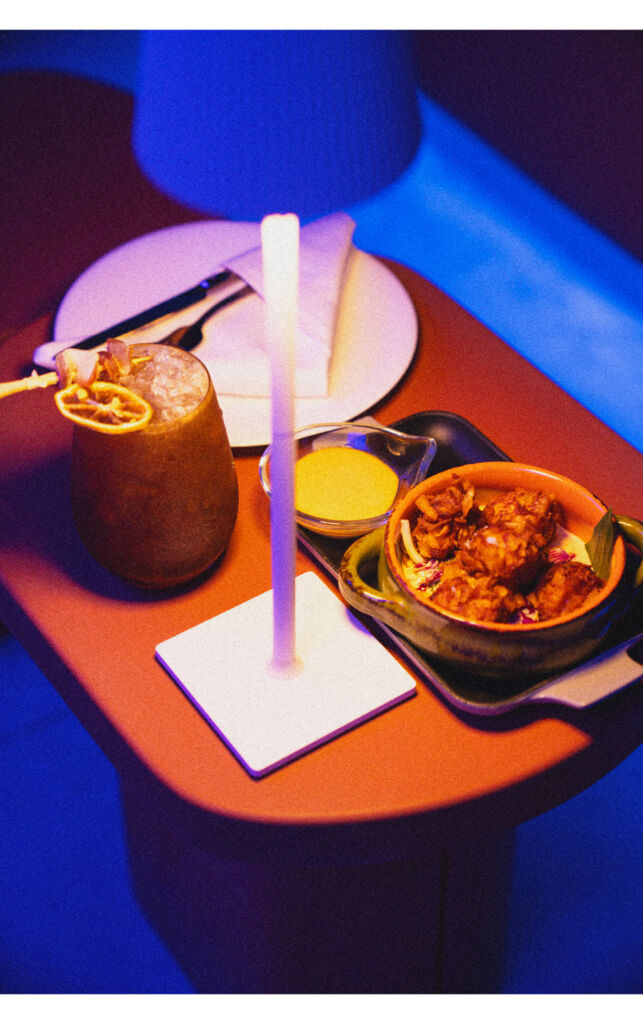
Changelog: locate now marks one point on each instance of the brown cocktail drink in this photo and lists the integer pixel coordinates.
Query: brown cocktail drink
(157, 505)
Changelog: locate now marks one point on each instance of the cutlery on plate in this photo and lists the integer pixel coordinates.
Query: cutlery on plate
(187, 338)
(183, 337)
(147, 316)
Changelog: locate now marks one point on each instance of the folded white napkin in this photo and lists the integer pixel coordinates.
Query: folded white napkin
(234, 347)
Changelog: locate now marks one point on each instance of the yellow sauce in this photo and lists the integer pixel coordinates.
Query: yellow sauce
(343, 484)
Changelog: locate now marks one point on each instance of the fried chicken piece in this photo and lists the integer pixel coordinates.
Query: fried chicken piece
(511, 540)
(475, 597)
(441, 517)
(512, 559)
(523, 511)
(563, 588)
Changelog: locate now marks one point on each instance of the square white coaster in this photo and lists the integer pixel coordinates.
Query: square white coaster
(347, 676)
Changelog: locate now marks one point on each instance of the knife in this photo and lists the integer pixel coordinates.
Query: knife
(164, 308)
(44, 354)
(147, 316)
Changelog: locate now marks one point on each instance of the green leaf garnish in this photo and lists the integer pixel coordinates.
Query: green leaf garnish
(601, 544)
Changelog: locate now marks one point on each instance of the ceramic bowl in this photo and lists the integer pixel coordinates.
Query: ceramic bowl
(408, 455)
(500, 650)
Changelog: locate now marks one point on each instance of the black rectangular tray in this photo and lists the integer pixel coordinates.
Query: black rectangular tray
(459, 443)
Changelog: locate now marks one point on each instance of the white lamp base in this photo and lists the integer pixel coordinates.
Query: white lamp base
(345, 676)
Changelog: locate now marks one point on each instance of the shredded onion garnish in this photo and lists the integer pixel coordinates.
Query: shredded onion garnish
(559, 555)
(424, 573)
(429, 574)
(409, 545)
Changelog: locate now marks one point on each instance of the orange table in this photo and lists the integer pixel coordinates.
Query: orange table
(380, 861)
(407, 787)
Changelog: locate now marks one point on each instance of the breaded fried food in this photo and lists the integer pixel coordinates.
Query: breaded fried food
(510, 540)
(441, 517)
(563, 588)
(525, 512)
(513, 560)
(475, 597)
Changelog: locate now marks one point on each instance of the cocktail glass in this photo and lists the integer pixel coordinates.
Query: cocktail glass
(157, 506)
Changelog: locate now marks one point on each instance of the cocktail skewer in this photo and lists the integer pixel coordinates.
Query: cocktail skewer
(35, 380)
(76, 366)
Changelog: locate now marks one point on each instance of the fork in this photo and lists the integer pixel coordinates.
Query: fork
(186, 337)
(189, 337)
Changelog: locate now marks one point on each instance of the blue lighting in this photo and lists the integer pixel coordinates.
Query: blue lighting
(546, 282)
(571, 302)
(245, 123)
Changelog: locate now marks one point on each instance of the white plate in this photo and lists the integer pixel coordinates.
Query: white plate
(376, 328)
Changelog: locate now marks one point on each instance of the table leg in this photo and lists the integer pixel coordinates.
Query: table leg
(430, 923)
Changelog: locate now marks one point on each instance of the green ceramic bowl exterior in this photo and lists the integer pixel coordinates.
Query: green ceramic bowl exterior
(633, 530)
(492, 650)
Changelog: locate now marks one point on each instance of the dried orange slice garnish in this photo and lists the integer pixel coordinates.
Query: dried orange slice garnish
(103, 406)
